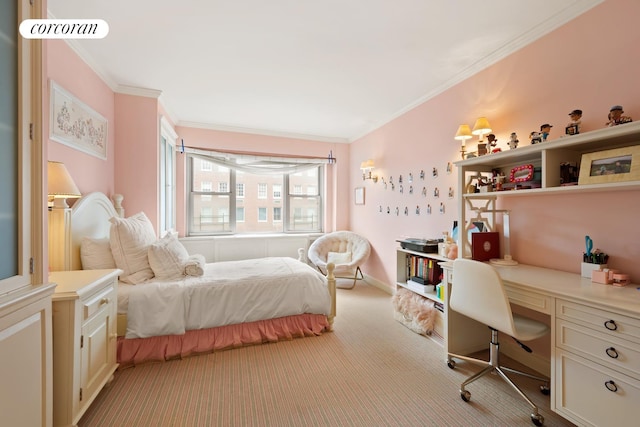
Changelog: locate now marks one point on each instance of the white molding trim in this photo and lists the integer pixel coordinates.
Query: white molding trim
(569, 13)
(236, 129)
(138, 91)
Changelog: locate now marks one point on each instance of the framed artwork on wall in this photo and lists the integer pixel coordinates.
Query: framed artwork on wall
(608, 166)
(359, 195)
(75, 124)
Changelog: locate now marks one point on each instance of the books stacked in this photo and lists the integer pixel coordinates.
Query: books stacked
(423, 271)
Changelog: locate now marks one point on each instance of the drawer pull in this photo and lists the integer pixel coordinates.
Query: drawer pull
(611, 386)
(612, 353)
(610, 325)
(104, 301)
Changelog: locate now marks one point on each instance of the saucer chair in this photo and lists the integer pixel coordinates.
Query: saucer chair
(346, 249)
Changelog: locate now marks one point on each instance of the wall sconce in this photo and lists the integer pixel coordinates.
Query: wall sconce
(463, 133)
(60, 185)
(481, 128)
(366, 171)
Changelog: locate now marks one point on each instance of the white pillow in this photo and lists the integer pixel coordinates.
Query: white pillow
(167, 257)
(339, 257)
(95, 254)
(130, 239)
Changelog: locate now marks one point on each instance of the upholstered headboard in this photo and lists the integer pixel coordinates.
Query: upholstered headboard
(90, 218)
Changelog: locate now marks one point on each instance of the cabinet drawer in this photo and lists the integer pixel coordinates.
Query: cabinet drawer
(582, 393)
(612, 324)
(98, 301)
(611, 351)
(538, 302)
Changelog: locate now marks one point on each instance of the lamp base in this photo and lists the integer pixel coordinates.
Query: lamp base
(507, 260)
(60, 203)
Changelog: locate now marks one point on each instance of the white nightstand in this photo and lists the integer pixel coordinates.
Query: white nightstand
(84, 339)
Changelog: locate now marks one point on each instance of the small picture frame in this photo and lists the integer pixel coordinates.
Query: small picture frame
(609, 166)
(359, 196)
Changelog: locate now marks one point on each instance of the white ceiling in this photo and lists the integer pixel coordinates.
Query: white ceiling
(329, 70)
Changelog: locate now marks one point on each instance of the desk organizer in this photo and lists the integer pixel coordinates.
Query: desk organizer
(587, 268)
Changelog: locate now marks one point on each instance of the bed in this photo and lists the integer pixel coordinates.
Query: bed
(223, 305)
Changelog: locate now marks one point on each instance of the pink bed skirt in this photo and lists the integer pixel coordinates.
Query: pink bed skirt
(157, 349)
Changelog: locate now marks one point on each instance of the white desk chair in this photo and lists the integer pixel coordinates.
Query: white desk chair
(346, 249)
(478, 292)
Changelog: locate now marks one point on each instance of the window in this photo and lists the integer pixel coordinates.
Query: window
(262, 191)
(206, 166)
(167, 191)
(271, 202)
(262, 214)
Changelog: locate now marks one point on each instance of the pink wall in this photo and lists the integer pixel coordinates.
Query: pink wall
(90, 173)
(137, 154)
(336, 200)
(586, 64)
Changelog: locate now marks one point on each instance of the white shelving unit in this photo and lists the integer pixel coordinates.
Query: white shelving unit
(548, 156)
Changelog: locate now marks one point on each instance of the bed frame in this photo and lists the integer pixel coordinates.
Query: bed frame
(90, 218)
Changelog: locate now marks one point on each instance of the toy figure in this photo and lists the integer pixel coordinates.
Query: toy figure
(545, 129)
(573, 127)
(513, 141)
(535, 137)
(492, 142)
(616, 117)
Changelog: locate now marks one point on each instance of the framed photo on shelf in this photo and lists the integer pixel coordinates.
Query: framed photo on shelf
(608, 166)
(359, 195)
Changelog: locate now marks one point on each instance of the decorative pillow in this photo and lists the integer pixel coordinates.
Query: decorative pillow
(130, 239)
(167, 257)
(339, 257)
(95, 254)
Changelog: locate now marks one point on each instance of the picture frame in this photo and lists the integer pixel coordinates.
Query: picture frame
(75, 124)
(610, 166)
(359, 196)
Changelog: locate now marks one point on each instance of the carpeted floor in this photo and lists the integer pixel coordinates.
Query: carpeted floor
(371, 371)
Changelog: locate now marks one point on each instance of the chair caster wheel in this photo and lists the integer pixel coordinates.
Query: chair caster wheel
(451, 364)
(537, 419)
(466, 396)
(544, 389)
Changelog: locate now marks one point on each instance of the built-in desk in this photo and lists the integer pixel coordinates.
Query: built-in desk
(595, 340)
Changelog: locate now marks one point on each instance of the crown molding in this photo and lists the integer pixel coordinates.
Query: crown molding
(561, 18)
(138, 91)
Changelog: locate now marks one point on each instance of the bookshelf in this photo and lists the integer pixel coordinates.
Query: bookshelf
(410, 263)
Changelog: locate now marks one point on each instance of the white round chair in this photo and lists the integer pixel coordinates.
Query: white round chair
(346, 249)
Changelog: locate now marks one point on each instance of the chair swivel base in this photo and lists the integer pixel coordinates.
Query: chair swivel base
(493, 366)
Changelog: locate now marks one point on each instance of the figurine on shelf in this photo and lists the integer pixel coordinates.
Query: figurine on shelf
(616, 117)
(513, 141)
(492, 141)
(535, 137)
(545, 130)
(573, 127)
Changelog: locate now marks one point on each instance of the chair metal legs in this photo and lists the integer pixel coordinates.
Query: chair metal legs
(493, 365)
(355, 277)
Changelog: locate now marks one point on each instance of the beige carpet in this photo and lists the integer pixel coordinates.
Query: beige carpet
(371, 371)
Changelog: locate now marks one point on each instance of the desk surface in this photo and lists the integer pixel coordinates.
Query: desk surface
(571, 286)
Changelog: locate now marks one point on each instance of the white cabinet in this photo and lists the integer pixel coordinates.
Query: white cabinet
(597, 360)
(84, 340)
(25, 352)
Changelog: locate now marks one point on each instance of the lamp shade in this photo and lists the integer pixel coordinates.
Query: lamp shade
(60, 184)
(464, 132)
(366, 165)
(481, 127)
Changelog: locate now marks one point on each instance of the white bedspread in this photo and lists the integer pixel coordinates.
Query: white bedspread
(229, 292)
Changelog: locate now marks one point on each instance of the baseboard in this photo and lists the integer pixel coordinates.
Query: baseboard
(378, 284)
(538, 363)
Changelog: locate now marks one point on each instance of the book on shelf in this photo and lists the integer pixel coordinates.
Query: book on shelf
(426, 269)
(419, 287)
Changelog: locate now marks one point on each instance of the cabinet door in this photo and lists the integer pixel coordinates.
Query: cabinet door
(97, 353)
